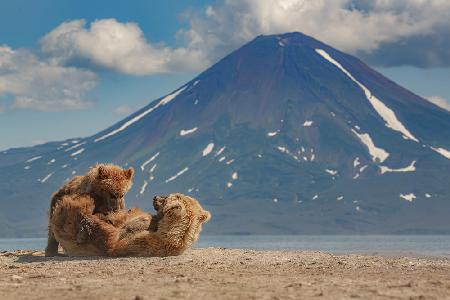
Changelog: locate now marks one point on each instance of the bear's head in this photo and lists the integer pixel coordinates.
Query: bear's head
(180, 217)
(109, 186)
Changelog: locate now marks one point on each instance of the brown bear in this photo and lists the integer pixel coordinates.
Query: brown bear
(174, 229)
(178, 224)
(106, 185)
(82, 232)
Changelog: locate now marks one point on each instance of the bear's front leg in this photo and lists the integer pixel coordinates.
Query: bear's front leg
(136, 221)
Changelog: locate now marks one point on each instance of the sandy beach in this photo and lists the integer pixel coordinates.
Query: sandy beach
(215, 273)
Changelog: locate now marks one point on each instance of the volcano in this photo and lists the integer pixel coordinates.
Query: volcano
(285, 135)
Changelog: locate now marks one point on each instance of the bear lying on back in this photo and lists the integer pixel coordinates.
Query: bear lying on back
(179, 223)
(101, 189)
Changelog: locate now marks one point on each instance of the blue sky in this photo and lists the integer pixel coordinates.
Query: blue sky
(72, 68)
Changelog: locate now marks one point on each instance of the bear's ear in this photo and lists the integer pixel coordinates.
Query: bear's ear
(102, 172)
(129, 173)
(205, 216)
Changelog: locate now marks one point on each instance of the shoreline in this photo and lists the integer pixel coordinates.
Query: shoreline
(224, 274)
(424, 246)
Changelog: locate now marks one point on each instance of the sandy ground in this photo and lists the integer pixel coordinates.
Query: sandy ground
(224, 274)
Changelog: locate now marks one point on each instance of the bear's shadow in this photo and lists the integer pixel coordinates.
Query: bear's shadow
(29, 258)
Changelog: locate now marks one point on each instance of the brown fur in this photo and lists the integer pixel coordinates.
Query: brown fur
(68, 221)
(174, 229)
(179, 222)
(81, 232)
(106, 186)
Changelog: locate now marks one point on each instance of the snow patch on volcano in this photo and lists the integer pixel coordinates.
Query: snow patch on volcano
(331, 172)
(286, 151)
(43, 180)
(219, 151)
(74, 146)
(282, 149)
(34, 158)
(125, 125)
(442, 151)
(149, 161)
(234, 177)
(376, 153)
(230, 162)
(184, 132)
(408, 197)
(383, 111)
(77, 152)
(208, 149)
(142, 191)
(307, 123)
(177, 175)
(409, 168)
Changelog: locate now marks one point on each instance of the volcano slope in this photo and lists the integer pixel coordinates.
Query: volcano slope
(285, 135)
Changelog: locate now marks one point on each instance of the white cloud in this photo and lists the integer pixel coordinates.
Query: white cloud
(340, 23)
(123, 110)
(113, 45)
(439, 101)
(32, 83)
(383, 31)
(38, 142)
(355, 26)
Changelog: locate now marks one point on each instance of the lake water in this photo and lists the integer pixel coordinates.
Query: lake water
(429, 245)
